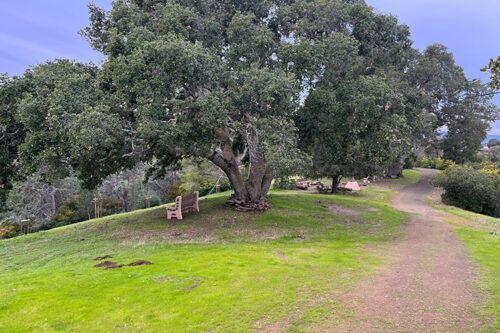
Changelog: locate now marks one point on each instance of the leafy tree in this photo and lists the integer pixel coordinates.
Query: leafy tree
(463, 106)
(469, 123)
(11, 134)
(439, 80)
(494, 68)
(493, 143)
(203, 78)
(356, 116)
(352, 132)
(67, 126)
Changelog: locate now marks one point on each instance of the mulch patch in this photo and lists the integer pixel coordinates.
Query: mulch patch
(103, 257)
(109, 265)
(140, 263)
(112, 265)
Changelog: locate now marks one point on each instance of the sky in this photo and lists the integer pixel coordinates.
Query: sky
(33, 31)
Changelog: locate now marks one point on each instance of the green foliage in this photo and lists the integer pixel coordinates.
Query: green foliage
(410, 162)
(350, 132)
(468, 123)
(285, 183)
(239, 83)
(68, 213)
(471, 189)
(174, 191)
(464, 106)
(493, 143)
(7, 231)
(11, 134)
(494, 68)
(202, 176)
(435, 163)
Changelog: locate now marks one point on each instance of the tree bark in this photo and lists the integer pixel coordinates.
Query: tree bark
(249, 194)
(395, 170)
(125, 200)
(335, 182)
(53, 200)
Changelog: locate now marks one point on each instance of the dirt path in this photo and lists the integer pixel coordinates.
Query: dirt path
(427, 285)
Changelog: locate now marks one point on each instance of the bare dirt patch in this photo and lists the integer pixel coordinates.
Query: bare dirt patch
(113, 265)
(140, 263)
(108, 265)
(103, 257)
(340, 210)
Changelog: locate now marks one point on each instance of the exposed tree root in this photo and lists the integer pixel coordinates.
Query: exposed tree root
(248, 206)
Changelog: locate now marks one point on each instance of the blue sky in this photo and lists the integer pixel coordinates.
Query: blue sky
(32, 31)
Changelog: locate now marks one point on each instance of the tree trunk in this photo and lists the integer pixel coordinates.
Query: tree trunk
(125, 200)
(249, 194)
(395, 170)
(335, 182)
(53, 200)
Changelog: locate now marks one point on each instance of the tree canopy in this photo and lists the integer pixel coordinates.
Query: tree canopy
(259, 88)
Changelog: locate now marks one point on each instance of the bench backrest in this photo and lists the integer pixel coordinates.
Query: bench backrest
(190, 199)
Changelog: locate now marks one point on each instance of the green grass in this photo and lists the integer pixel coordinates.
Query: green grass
(476, 231)
(217, 271)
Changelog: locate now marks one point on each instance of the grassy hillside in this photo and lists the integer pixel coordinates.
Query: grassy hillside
(218, 271)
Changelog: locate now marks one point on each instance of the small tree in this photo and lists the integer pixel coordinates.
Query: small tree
(493, 143)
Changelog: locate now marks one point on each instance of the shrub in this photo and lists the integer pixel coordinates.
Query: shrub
(285, 184)
(492, 168)
(435, 163)
(425, 163)
(66, 214)
(201, 175)
(470, 189)
(173, 191)
(7, 231)
(410, 162)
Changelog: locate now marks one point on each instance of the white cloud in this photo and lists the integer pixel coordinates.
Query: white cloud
(28, 46)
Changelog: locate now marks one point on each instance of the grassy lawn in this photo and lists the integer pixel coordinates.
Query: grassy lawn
(217, 271)
(475, 231)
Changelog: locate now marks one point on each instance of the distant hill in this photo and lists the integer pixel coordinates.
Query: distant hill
(491, 136)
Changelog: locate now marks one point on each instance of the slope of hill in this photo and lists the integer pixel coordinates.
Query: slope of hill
(218, 270)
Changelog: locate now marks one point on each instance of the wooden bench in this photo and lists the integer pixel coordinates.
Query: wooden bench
(183, 204)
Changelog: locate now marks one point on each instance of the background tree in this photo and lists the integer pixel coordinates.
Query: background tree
(468, 123)
(11, 134)
(493, 143)
(494, 68)
(356, 113)
(462, 107)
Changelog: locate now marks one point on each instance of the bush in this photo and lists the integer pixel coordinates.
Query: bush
(425, 163)
(68, 213)
(435, 163)
(410, 162)
(7, 231)
(285, 184)
(173, 191)
(470, 189)
(201, 175)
